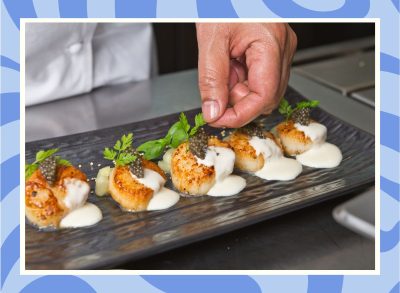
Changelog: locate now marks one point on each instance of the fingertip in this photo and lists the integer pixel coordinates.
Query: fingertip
(211, 110)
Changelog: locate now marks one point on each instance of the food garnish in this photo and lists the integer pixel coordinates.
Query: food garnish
(179, 132)
(123, 154)
(301, 113)
(47, 163)
(198, 144)
(252, 129)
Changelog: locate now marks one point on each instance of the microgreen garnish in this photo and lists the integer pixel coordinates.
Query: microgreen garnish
(40, 157)
(121, 153)
(179, 132)
(286, 109)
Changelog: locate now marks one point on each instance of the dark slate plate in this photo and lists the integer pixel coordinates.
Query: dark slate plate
(121, 236)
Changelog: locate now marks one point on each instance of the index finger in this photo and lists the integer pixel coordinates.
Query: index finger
(264, 64)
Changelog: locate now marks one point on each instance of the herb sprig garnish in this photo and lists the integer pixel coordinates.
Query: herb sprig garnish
(179, 132)
(286, 109)
(121, 154)
(40, 157)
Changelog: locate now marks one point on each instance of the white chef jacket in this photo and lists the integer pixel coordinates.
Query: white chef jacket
(65, 59)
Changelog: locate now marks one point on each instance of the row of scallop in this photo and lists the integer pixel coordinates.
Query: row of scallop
(275, 155)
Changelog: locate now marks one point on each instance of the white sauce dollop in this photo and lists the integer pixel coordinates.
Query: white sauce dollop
(321, 154)
(77, 192)
(228, 186)
(163, 198)
(86, 215)
(315, 131)
(325, 155)
(223, 160)
(151, 179)
(276, 166)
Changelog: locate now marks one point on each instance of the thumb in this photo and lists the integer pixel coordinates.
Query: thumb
(213, 70)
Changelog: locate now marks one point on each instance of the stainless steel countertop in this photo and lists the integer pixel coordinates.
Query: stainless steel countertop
(307, 239)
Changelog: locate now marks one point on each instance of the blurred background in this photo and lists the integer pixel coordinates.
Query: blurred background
(179, 45)
(334, 63)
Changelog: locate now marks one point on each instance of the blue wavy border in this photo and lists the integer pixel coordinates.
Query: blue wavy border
(13, 10)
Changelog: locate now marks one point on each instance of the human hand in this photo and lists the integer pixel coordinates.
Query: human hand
(243, 69)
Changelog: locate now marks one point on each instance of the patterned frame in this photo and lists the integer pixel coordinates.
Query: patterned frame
(388, 11)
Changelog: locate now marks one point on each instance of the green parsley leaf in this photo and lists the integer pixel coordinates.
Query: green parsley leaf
(125, 159)
(314, 103)
(177, 126)
(126, 141)
(40, 157)
(119, 154)
(307, 104)
(117, 145)
(184, 122)
(29, 169)
(178, 133)
(179, 136)
(153, 149)
(109, 154)
(43, 155)
(283, 106)
(62, 161)
(286, 109)
(199, 122)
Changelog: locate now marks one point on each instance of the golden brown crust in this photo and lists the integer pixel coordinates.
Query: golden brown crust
(127, 191)
(216, 142)
(187, 175)
(44, 206)
(246, 158)
(294, 141)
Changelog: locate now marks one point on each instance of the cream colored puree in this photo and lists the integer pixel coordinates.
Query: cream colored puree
(322, 154)
(81, 213)
(276, 166)
(223, 160)
(163, 198)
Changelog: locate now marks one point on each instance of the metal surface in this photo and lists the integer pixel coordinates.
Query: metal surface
(366, 96)
(112, 106)
(345, 74)
(333, 50)
(356, 215)
(122, 236)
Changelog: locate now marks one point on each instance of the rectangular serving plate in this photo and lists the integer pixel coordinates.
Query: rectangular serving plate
(121, 237)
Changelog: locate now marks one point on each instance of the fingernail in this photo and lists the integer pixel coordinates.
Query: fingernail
(210, 110)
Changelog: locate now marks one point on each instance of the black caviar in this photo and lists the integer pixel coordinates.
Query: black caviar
(136, 167)
(302, 116)
(198, 144)
(252, 129)
(48, 169)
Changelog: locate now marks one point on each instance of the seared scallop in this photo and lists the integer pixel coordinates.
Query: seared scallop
(246, 158)
(188, 174)
(45, 204)
(293, 140)
(125, 189)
